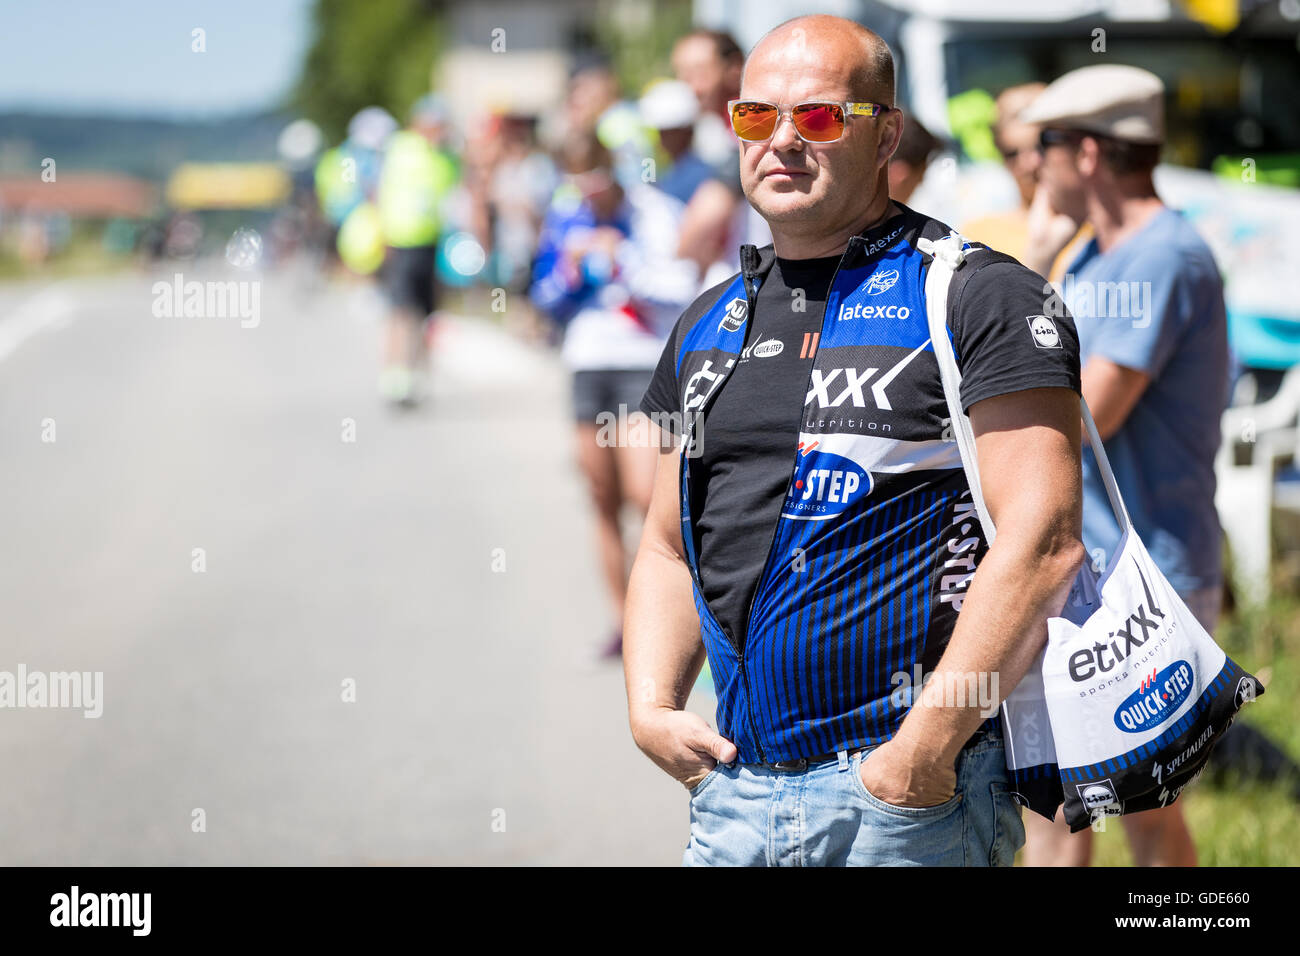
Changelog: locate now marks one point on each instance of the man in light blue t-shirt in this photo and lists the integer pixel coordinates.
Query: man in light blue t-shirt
(1147, 300)
(1170, 354)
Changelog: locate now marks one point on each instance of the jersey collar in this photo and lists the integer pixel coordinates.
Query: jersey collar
(756, 262)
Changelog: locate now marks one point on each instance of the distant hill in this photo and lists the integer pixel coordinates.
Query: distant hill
(150, 148)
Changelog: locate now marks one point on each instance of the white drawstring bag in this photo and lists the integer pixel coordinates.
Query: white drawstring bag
(1137, 691)
(1130, 694)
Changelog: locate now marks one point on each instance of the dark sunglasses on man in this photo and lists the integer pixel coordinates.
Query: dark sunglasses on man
(1057, 137)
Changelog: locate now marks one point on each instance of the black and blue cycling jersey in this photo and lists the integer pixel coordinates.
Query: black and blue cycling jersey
(876, 539)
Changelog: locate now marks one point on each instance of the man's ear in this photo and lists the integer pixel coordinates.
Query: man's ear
(1088, 158)
(891, 134)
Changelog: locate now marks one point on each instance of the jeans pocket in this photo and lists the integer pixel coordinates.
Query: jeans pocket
(1008, 826)
(903, 813)
(696, 790)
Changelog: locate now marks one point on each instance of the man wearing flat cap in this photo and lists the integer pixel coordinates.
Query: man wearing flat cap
(1147, 300)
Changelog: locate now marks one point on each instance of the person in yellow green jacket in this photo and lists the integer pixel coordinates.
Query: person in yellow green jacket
(416, 176)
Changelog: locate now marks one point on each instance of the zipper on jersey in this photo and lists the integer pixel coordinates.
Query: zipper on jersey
(751, 299)
(749, 615)
(749, 261)
(771, 543)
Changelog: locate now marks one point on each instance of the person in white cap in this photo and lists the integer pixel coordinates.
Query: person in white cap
(670, 108)
(1147, 300)
(718, 219)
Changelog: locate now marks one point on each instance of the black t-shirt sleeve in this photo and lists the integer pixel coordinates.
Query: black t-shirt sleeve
(1011, 332)
(661, 398)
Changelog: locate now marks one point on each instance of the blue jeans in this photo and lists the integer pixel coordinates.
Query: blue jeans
(750, 815)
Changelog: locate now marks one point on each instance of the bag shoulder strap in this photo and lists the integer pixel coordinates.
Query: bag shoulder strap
(947, 256)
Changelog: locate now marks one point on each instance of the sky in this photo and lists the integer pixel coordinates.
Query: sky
(135, 57)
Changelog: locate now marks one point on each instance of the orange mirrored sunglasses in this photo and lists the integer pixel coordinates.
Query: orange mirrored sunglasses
(816, 121)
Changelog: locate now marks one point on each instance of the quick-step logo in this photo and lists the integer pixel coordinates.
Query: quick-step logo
(825, 485)
(1156, 700)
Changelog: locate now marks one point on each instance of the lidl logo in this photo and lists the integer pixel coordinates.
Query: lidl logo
(1044, 332)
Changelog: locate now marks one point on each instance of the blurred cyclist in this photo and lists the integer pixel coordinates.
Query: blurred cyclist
(415, 177)
(605, 270)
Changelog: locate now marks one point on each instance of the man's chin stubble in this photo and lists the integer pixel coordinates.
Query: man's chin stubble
(785, 211)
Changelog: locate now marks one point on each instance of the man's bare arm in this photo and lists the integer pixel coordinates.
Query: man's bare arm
(662, 650)
(1028, 448)
(1111, 391)
(706, 224)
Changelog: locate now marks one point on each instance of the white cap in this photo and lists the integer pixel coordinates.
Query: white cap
(371, 127)
(669, 104)
(1122, 102)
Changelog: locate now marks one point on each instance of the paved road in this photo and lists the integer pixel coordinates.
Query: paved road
(477, 704)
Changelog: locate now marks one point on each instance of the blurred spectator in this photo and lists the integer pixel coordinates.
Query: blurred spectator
(184, 235)
(521, 184)
(33, 239)
(592, 89)
(1017, 141)
(911, 159)
(1155, 365)
(710, 63)
(415, 176)
(593, 105)
(605, 270)
(718, 219)
(670, 109)
(348, 175)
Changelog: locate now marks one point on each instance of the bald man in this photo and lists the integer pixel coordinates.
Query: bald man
(812, 531)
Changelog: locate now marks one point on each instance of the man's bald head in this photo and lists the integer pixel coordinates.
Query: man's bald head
(815, 195)
(866, 60)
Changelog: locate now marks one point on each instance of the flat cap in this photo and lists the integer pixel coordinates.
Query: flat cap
(1123, 102)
